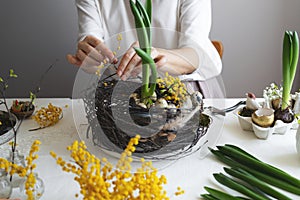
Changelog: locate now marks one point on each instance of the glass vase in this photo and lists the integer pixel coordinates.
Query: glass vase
(37, 191)
(5, 185)
(19, 159)
(298, 140)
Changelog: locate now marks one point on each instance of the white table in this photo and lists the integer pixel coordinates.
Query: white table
(190, 173)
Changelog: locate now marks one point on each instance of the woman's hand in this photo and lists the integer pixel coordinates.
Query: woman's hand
(131, 63)
(91, 52)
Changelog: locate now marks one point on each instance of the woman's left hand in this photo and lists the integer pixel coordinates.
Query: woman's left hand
(131, 63)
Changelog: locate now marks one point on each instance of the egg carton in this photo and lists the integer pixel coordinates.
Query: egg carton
(279, 127)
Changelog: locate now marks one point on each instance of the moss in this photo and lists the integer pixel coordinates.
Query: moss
(204, 120)
(246, 112)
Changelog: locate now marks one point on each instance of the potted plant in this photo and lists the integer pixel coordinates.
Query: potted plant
(276, 113)
(158, 108)
(23, 109)
(290, 55)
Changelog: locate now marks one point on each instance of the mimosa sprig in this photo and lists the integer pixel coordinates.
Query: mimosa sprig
(142, 15)
(290, 55)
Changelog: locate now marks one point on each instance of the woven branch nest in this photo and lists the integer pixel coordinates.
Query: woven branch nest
(116, 118)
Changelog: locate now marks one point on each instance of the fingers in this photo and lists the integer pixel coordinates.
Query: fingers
(134, 63)
(91, 52)
(97, 50)
(131, 63)
(106, 52)
(85, 49)
(73, 60)
(128, 62)
(101, 48)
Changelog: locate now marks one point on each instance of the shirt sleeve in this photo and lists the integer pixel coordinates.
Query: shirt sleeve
(195, 24)
(89, 19)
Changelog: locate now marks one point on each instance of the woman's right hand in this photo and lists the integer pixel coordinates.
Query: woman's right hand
(91, 52)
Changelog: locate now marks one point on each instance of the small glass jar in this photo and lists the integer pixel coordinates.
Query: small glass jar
(296, 107)
(19, 159)
(38, 189)
(5, 185)
(298, 140)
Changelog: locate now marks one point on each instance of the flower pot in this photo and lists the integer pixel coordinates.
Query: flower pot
(25, 109)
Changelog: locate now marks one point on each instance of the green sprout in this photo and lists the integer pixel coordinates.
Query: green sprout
(32, 97)
(142, 15)
(4, 83)
(290, 55)
(12, 74)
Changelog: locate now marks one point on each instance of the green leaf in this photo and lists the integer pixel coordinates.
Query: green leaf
(217, 194)
(12, 73)
(140, 28)
(148, 7)
(1, 79)
(286, 57)
(146, 19)
(32, 96)
(294, 61)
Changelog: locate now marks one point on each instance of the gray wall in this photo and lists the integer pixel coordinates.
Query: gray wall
(252, 33)
(34, 33)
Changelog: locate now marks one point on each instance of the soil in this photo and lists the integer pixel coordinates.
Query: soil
(245, 112)
(26, 111)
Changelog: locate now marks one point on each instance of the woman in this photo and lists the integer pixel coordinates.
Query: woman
(181, 44)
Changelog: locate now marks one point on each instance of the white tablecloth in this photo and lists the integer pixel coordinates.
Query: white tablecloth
(191, 173)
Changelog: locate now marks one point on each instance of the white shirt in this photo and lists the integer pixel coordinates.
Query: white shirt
(176, 24)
